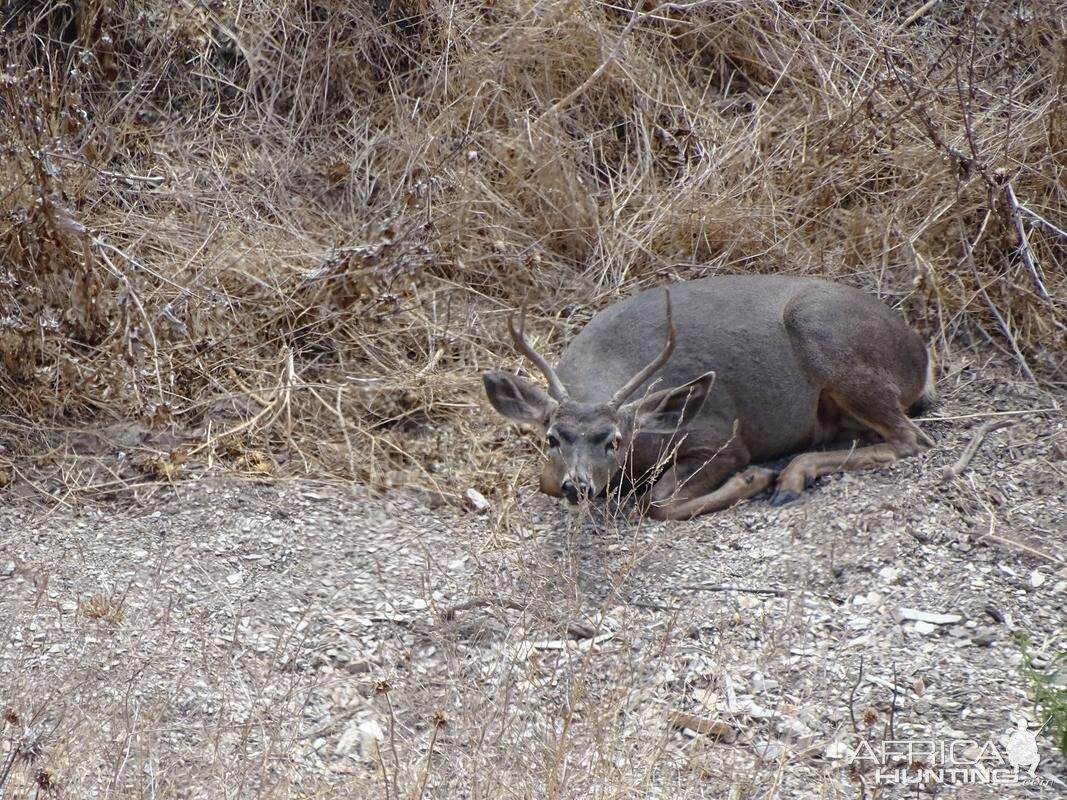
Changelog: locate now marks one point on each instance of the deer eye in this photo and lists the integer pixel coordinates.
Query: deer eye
(553, 442)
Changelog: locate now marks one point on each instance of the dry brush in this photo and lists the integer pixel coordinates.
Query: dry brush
(284, 235)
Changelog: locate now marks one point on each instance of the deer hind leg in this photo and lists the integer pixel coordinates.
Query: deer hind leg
(695, 485)
(876, 407)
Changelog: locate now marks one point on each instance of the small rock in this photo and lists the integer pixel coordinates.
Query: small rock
(477, 500)
(236, 579)
(926, 616)
(795, 730)
(348, 741)
(1037, 577)
(836, 750)
(356, 667)
(889, 574)
(370, 733)
(7, 569)
(767, 751)
(925, 628)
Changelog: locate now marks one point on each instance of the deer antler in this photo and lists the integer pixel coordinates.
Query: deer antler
(642, 376)
(555, 387)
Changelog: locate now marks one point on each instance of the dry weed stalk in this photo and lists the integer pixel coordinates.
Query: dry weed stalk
(192, 195)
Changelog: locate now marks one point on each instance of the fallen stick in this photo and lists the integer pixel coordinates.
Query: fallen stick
(576, 630)
(1015, 545)
(705, 726)
(985, 414)
(920, 12)
(948, 473)
(724, 588)
(480, 602)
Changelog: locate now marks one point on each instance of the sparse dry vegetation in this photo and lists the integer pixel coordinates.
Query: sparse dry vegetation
(281, 237)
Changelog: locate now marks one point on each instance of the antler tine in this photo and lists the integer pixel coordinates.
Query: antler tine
(555, 387)
(642, 376)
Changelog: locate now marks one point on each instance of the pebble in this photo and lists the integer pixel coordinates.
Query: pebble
(889, 574)
(767, 751)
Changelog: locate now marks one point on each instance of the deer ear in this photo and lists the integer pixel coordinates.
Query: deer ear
(670, 410)
(517, 398)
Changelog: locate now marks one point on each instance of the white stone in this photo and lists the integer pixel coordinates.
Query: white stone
(926, 616)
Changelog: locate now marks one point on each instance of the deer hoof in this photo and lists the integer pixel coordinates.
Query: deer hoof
(783, 496)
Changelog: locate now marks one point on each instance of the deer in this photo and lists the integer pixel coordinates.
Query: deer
(752, 368)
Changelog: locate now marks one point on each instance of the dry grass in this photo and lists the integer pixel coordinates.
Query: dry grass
(282, 236)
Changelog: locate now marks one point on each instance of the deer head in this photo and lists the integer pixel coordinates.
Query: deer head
(587, 443)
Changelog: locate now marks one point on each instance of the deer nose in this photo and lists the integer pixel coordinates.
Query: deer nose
(576, 488)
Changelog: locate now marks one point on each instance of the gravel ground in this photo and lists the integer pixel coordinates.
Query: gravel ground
(233, 639)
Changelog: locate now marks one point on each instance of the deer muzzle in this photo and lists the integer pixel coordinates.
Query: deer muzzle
(576, 488)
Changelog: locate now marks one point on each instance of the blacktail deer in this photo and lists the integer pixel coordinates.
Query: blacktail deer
(753, 368)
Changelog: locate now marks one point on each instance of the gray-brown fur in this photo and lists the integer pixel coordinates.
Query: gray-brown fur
(797, 363)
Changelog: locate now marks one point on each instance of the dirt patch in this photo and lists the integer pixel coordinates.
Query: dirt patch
(307, 640)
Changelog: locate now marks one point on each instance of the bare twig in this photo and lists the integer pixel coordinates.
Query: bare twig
(392, 744)
(1024, 242)
(151, 180)
(948, 473)
(1041, 220)
(1015, 545)
(16, 748)
(893, 705)
(131, 292)
(916, 15)
(579, 90)
(480, 602)
(985, 414)
(724, 588)
(1005, 329)
(702, 725)
(438, 723)
(852, 697)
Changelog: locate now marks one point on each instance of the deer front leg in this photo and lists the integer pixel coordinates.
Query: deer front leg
(696, 486)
